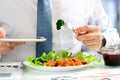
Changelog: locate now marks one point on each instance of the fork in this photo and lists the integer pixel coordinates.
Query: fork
(70, 27)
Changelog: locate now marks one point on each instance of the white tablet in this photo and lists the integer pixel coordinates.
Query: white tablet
(41, 39)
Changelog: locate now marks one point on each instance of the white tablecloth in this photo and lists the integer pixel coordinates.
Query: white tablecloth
(93, 72)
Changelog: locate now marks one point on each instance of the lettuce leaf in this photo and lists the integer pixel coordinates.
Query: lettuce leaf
(87, 57)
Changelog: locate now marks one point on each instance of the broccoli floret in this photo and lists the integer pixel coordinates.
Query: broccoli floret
(59, 23)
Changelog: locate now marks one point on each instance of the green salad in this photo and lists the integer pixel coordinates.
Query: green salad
(53, 56)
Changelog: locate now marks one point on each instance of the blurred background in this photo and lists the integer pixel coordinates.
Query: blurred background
(112, 8)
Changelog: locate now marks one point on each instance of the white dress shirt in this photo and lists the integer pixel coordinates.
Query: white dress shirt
(20, 15)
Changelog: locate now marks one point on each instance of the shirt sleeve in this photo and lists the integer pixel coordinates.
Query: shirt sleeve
(102, 20)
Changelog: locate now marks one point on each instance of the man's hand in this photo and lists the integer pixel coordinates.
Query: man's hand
(90, 35)
(6, 47)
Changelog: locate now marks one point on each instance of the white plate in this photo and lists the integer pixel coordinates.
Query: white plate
(45, 68)
(41, 39)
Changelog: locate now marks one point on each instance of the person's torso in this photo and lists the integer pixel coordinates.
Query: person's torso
(21, 16)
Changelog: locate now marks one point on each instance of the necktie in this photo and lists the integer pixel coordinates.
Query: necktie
(44, 27)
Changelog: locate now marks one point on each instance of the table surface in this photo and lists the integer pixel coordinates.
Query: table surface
(92, 72)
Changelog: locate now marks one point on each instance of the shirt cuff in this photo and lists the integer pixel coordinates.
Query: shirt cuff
(110, 41)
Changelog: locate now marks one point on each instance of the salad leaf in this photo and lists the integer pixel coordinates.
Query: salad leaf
(51, 55)
(34, 61)
(63, 55)
(43, 57)
(47, 56)
(59, 23)
(30, 58)
(87, 57)
(37, 62)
